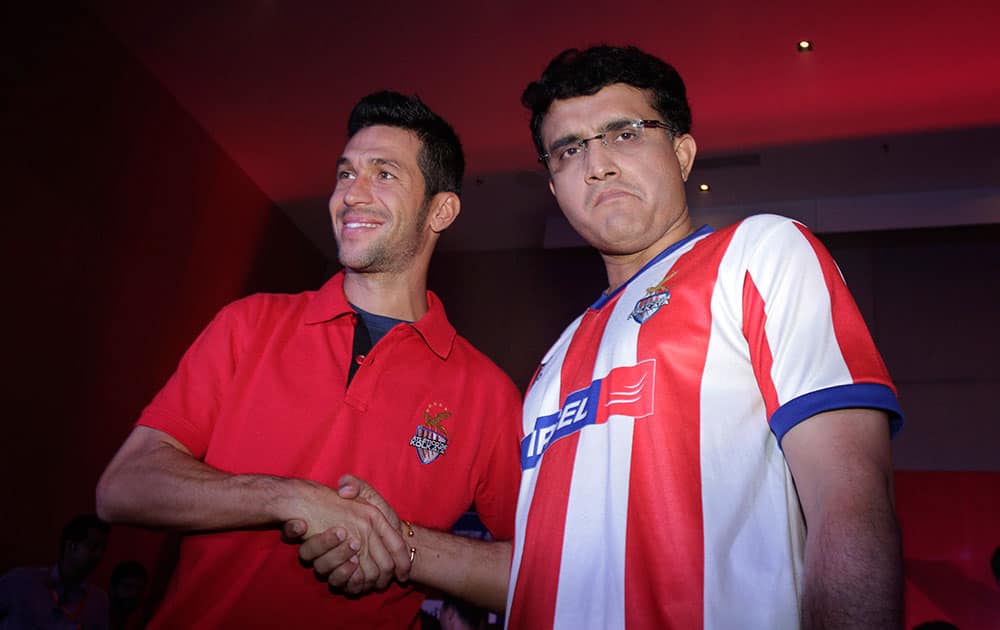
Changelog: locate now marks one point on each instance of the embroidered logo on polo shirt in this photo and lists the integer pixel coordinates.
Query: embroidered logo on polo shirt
(431, 438)
(656, 298)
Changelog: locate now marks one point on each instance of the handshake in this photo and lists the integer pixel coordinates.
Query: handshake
(351, 537)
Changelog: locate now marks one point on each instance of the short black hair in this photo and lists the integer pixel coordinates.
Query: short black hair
(575, 72)
(441, 160)
(79, 528)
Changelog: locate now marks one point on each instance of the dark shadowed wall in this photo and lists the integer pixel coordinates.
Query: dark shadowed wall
(125, 229)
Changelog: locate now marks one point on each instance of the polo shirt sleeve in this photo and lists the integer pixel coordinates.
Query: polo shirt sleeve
(496, 492)
(188, 405)
(809, 346)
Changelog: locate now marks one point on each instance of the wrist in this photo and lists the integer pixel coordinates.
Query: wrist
(406, 531)
(283, 497)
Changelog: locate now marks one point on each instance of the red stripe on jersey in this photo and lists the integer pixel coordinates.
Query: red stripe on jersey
(664, 552)
(533, 605)
(627, 391)
(754, 320)
(849, 326)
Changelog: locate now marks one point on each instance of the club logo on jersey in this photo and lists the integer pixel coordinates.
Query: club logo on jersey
(431, 438)
(656, 298)
(625, 391)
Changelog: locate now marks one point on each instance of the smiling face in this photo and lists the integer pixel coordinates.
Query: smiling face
(378, 207)
(630, 206)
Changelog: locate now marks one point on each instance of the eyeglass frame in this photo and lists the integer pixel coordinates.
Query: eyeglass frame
(635, 124)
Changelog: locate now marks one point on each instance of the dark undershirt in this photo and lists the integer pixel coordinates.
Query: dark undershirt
(377, 325)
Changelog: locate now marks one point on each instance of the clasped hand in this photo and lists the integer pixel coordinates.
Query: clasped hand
(356, 547)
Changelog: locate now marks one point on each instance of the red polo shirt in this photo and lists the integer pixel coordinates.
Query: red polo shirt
(262, 390)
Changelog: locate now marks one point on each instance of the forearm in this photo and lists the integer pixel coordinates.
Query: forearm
(842, 466)
(853, 570)
(472, 570)
(151, 482)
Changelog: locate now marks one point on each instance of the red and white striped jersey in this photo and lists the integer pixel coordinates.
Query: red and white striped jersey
(654, 493)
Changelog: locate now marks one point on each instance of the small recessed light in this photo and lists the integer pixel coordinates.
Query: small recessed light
(804, 45)
(704, 187)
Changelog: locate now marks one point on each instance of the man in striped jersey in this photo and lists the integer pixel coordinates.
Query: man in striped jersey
(708, 444)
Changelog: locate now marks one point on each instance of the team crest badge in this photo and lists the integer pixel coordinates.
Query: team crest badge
(656, 298)
(431, 438)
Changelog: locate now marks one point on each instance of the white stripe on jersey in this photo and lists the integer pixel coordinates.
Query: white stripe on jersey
(744, 543)
(597, 521)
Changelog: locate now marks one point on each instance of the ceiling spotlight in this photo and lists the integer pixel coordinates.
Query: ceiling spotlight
(804, 45)
(704, 187)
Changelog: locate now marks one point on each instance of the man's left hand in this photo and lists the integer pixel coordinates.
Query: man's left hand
(333, 554)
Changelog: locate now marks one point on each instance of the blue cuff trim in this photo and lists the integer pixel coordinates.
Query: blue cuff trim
(854, 396)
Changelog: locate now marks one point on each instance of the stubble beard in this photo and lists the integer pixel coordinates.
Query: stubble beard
(383, 256)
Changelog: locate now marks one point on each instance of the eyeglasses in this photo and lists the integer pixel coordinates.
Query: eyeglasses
(621, 137)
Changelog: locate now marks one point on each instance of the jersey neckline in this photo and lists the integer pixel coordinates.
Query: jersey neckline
(607, 297)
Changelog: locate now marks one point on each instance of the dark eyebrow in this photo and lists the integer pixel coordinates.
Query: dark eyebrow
(612, 125)
(565, 141)
(346, 161)
(616, 124)
(384, 162)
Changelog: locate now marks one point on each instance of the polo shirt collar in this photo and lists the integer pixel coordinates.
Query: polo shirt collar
(329, 302)
(434, 328)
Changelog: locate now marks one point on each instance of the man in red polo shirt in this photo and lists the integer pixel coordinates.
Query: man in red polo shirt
(708, 444)
(283, 394)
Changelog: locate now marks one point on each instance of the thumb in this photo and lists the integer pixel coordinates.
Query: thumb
(352, 487)
(349, 487)
(293, 530)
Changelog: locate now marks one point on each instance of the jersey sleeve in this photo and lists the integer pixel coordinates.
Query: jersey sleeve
(809, 346)
(496, 491)
(188, 405)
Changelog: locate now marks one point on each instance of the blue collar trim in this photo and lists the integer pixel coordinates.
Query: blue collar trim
(607, 297)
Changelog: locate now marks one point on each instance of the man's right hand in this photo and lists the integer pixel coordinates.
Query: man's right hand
(349, 540)
(333, 552)
(154, 480)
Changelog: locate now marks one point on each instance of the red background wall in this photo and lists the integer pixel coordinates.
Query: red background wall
(950, 529)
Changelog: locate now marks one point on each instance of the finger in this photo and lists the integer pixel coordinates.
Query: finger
(397, 549)
(361, 487)
(355, 582)
(383, 559)
(329, 561)
(293, 531)
(367, 493)
(349, 487)
(375, 563)
(352, 487)
(321, 543)
(369, 567)
(339, 576)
